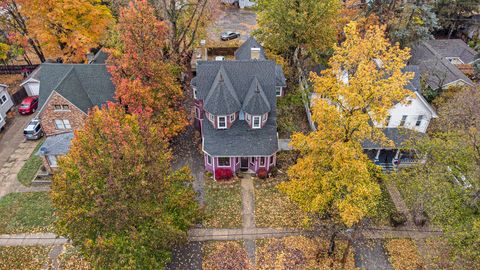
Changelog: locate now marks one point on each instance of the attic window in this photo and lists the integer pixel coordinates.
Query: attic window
(222, 122)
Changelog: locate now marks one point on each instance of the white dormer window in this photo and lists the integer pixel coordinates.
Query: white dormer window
(210, 116)
(194, 92)
(232, 117)
(278, 91)
(256, 121)
(265, 117)
(222, 122)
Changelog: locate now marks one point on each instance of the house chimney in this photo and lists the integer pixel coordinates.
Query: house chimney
(203, 44)
(255, 53)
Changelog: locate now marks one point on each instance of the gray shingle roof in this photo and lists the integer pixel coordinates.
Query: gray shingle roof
(222, 98)
(397, 135)
(256, 103)
(280, 76)
(56, 145)
(244, 52)
(415, 83)
(100, 57)
(453, 48)
(240, 139)
(437, 69)
(85, 86)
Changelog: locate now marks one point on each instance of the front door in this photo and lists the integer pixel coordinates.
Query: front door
(244, 163)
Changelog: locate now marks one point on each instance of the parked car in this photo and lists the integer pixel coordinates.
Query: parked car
(33, 131)
(29, 105)
(229, 35)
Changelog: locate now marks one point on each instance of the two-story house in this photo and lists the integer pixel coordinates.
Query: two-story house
(235, 104)
(406, 119)
(66, 94)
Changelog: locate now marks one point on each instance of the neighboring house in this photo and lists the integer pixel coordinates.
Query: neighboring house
(67, 93)
(235, 105)
(405, 120)
(6, 104)
(32, 83)
(442, 62)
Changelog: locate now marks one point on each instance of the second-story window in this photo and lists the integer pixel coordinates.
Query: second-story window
(3, 99)
(387, 121)
(402, 122)
(210, 116)
(62, 124)
(419, 120)
(222, 122)
(232, 117)
(256, 121)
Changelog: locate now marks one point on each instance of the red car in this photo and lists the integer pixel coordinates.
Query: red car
(29, 105)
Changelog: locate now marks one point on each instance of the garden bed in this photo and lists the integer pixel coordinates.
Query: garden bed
(23, 258)
(223, 204)
(273, 209)
(299, 253)
(26, 213)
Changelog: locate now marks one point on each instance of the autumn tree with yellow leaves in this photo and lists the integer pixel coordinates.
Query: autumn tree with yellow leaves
(333, 179)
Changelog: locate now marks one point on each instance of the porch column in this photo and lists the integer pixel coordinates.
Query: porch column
(378, 155)
(395, 159)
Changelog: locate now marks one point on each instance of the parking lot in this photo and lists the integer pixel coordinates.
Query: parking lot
(235, 20)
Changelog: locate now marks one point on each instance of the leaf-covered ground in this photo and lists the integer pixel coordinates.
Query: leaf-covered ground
(71, 259)
(403, 254)
(274, 209)
(300, 253)
(440, 256)
(385, 208)
(223, 205)
(23, 258)
(25, 212)
(223, 255)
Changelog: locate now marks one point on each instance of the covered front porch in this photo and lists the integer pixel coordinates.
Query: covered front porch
(391, 159)
(250, 164)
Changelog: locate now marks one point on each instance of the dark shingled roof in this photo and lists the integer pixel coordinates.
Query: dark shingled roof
(280, 79)
(245, 51)
(85, 86)
(453, 48)
(437, 68)
(239, 139)
(56, 145)
(222, 98)
(397, 135)
(100, 57)
(414, 84)
(256, 103)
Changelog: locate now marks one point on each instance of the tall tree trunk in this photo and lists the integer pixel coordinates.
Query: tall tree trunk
(331, 246)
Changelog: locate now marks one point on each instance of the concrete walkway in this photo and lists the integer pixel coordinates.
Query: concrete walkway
(31, 239)
(11, 167)
(371, 255)
(248, 215)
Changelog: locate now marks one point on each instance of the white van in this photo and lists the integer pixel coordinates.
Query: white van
(6, 104)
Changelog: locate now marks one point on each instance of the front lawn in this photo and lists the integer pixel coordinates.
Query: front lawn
(23, 258)
(403, 254)
(223, 205)
(275, 210)
(223, 255)
(25, 212)
(299, 252)
(31, 167)
(71, 259)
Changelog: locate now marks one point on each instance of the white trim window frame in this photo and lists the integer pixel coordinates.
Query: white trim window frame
(223, 166)
(209, 159)
(419, 121)
(3, 99)
(256, 125)
(194, 92)
(278, 91)
(232, 117)
(403, 121)
(224, 124)
(62, 124)
(262, 161)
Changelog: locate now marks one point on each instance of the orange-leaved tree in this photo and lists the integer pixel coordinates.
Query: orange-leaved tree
(116, 196)
(147, 83)
(333, 179)
(67, 28)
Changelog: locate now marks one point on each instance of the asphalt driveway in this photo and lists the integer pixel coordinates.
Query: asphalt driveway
(233, 19)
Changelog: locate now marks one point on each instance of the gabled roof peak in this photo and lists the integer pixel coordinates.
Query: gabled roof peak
(222, 98)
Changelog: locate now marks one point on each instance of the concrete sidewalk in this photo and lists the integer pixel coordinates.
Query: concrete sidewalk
(33, 239)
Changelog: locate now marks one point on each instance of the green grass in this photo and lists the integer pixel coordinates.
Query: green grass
(223, 205)
(23, 258)
(25, 212)
(31, 167)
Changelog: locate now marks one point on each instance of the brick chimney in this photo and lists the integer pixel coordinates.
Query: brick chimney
(203, 44)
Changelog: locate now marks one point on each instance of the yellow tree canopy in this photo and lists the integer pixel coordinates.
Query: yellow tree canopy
(334, 177)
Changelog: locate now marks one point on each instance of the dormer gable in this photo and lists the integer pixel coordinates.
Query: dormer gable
(222, 98)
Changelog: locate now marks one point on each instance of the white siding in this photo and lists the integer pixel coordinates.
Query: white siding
(6, 106)
(411, 110)
(32, 88)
